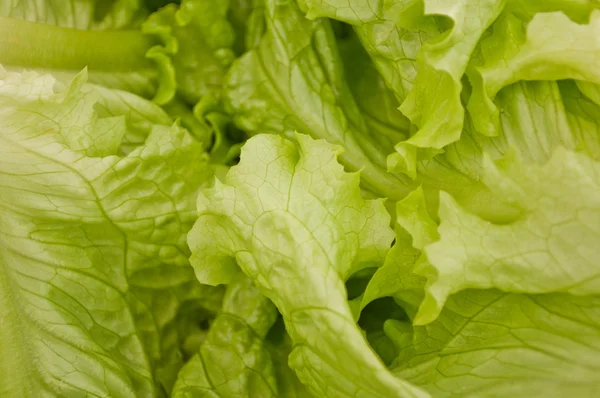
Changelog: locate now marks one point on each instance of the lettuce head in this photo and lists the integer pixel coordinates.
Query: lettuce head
(299, 198)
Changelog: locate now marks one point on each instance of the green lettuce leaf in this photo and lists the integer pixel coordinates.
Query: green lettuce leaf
(233, 360)
(294, 80)
(394, 46)
(491, 344)
(396, 278)
(434, 103)
(195, 50)
(485, 343)
(393, 34)
(139, 115)
(294, 221)
(377, 103)
(443, 42)
(280, 346)
(536, 118)
(137, 258)
(553, 47)
(94, 272)
(550, 247)
(247, 19)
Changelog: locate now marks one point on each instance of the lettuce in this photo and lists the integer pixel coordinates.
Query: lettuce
(299, 198)
(94, 260)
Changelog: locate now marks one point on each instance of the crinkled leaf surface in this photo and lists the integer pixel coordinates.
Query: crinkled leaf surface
(377, 103)
(93, 260)
(295, 222)
(485, 342)
(491, 344)
(196, 40)
(489, 289)
(294, 80)
(550, 247)
(434, 103)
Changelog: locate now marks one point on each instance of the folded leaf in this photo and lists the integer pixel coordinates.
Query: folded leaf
(434, 103)
(553, 48)
(484, 342)
(296, 224)
(377, 103)
(551, 247)
(294, 80)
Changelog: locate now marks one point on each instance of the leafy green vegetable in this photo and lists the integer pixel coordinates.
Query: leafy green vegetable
(294, 80)
(296, 224)
(299, 198)
(434, 103)
(233, 360)
(93, 258)
(196, 47)
(518, 256)
(539, 54)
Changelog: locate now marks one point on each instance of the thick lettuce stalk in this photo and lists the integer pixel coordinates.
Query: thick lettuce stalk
(178, 50)
(68, 37)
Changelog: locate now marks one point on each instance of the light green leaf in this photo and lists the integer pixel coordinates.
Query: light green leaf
(551, 247)
(491, 344)
(294, 80)
(592, 91)
(396, 277)
(434, 103)
(280, 348)
(552, 48)
(486, 343)
(412, 215)
(394, 51)
(415, 229)
(296, 224)
(350, 11)
(535, 118)
(583, 114)
(377, 103)
(392, 32)
(138, 114)
(93, 258)
(233, 360)
(577, 10)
